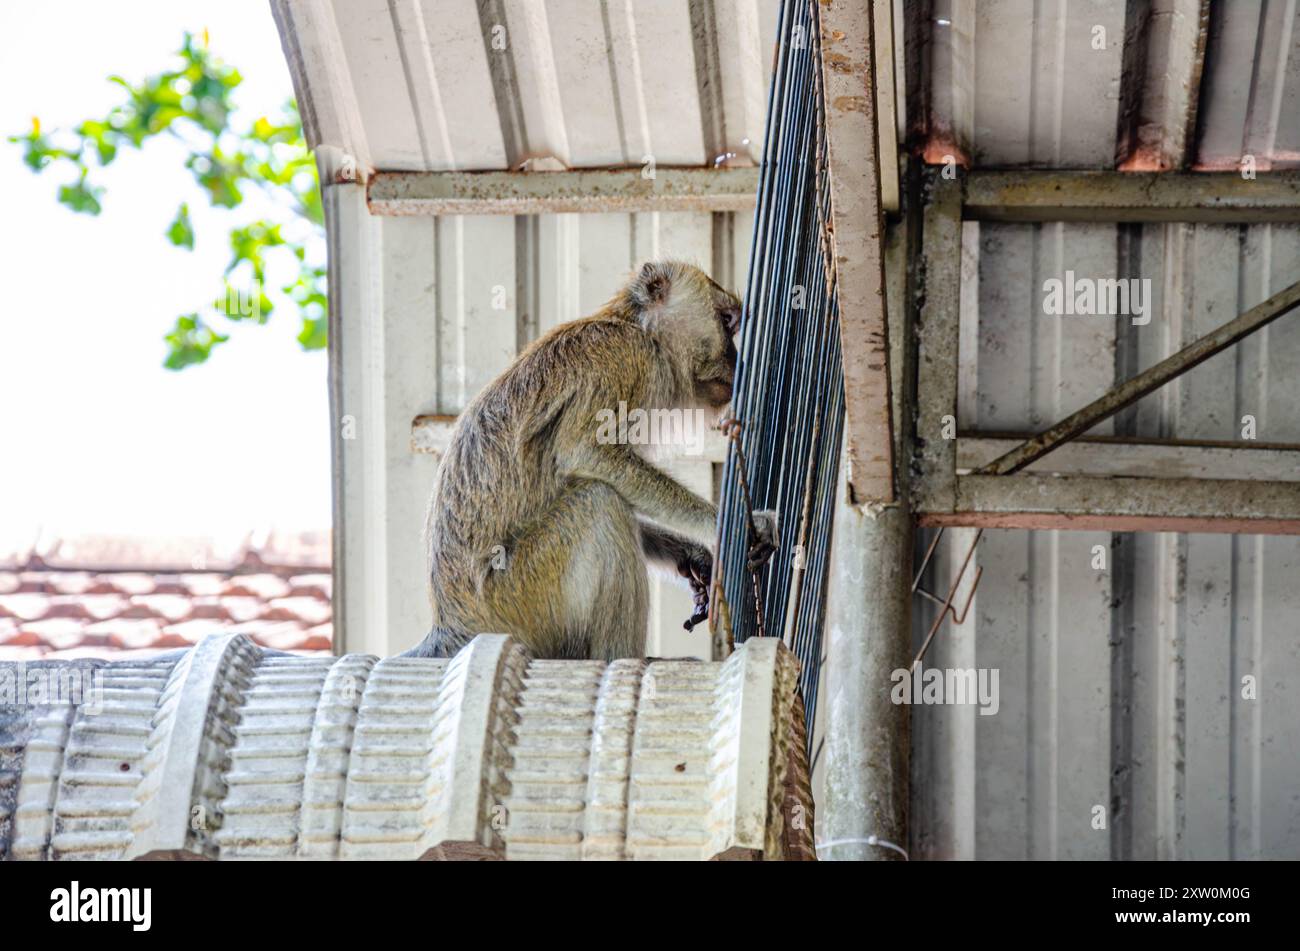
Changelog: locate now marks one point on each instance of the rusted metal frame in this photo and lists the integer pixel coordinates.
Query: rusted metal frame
(578, 190)
(848, 81)
(939, 331)
(1123, 504)
(1189, 89)
(1133, 389)
(1163, 60)
(1145, 458)
(1201, 197)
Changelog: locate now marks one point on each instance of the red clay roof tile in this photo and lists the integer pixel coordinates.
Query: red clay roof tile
(169, 607)
(262, 586)
(27, 606)
(120, 597)
(126, 632)
(58, 633)
(90, 607)
(10, 634)
(122, 582)
(312, 586)
(191, 632)
(307, 610)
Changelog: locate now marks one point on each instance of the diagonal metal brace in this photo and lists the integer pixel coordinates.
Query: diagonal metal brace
(946, 606)
(1132, 390)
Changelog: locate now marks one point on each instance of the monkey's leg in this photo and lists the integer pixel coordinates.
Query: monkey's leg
(574, 582)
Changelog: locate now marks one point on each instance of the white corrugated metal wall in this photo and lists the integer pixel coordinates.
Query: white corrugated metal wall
(1122, 686)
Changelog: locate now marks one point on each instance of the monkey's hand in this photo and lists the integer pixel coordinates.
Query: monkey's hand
(763, 546)
(696, 566)
(690, 560)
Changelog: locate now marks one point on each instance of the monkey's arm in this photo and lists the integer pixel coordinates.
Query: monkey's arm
(652, 492)
(684, 557)
(670, 550)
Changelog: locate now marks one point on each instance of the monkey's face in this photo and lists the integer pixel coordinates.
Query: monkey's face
(716, 360)
(697, 320)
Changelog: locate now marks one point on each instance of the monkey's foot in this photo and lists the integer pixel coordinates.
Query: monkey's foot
(767, 528)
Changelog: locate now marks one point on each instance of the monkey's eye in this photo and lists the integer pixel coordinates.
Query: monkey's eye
(730, 317)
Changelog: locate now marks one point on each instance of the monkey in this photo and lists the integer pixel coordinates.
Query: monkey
(540, 528)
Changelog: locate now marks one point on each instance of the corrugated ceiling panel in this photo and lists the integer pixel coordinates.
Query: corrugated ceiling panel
(1252, 91)
(455, 84)
(1025, 83)
(1007, 76)
(1121, 686)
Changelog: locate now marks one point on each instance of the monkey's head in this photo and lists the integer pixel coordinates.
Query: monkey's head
(697, 323)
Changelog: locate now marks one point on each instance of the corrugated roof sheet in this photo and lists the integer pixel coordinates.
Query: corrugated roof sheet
(1015, 83)
(409, 85)
(453, 84)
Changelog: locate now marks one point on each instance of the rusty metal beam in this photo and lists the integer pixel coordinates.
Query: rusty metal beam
(587, 190)
(848, 91)
(1163, 59)
(1132, 390)
(1209, 197)
(887, 100)
(1123, 504)
(1145, 458)
(1094, 522)
(939, 333)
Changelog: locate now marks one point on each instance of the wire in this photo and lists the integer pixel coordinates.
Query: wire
(869, 840)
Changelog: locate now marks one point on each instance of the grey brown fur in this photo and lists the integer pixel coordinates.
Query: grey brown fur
(538, 529)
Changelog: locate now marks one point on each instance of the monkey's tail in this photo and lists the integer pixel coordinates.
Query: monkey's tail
(439, 642)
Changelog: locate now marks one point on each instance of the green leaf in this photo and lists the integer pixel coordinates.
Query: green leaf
(315, 333)
(190, 342)
(181, 231)
(82, 197)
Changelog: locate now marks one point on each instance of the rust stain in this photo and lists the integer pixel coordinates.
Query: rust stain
(1145, 158)
(852, 104)
(937, 149)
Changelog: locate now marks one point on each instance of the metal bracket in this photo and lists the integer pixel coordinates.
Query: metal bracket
(946, 609)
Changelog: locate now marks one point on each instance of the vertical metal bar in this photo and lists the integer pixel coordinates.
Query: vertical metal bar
(868, 632)
(847, 65)
(867, 740)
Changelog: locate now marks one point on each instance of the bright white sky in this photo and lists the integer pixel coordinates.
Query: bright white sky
(95, 436)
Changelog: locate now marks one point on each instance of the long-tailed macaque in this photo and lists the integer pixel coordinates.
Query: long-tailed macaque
(541, 528)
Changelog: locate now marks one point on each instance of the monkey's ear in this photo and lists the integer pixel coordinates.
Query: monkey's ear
(653, 284)
(731, 319)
